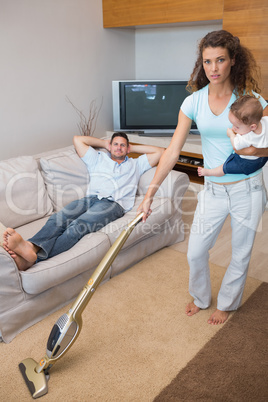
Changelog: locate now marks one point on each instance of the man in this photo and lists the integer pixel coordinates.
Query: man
(113, 184)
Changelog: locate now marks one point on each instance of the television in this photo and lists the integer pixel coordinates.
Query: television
(148, 108)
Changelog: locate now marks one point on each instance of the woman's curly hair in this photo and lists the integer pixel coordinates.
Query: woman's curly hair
(245, 73)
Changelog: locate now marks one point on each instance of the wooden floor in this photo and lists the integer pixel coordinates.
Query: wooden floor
(220, 254)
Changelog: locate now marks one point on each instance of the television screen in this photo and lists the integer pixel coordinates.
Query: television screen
(148, 106)
(152, 105)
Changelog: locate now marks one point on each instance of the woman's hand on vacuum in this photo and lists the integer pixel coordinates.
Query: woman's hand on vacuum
(145, 207)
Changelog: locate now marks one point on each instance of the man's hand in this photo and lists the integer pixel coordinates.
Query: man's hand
(82, 142)
(106, 145)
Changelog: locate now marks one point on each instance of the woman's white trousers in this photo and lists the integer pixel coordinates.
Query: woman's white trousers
(245, 202)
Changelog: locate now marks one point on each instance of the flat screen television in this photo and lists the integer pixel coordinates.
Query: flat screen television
(148, 108)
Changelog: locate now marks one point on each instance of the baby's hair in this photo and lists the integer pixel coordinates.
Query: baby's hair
(247, 109)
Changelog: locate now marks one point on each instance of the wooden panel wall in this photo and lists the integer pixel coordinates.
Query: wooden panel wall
(122, 13)
(248, 19)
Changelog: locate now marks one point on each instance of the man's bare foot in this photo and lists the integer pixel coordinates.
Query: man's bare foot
(16, 245)
(12, 254)
(21, 263)
(191, 309)
(218, 317)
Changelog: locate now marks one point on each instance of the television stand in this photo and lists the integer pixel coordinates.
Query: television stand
(190, 158)
(188, 163)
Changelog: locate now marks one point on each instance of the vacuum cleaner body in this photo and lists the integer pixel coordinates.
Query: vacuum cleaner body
(67, 328)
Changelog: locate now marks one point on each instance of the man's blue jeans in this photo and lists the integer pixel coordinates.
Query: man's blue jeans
(66, 227)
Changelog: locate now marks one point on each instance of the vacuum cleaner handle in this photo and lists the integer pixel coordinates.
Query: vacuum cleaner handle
(99, 273)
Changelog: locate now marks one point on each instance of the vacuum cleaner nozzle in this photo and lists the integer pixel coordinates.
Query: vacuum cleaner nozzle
(36, 382)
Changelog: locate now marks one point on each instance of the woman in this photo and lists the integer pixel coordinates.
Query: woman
(224, 71)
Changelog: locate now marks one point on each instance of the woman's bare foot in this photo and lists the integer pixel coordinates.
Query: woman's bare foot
(218, 317)
(191, 309)
(16, 245)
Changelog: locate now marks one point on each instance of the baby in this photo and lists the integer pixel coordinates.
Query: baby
(249, 128)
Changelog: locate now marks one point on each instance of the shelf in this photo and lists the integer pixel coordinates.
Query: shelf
(188, 163)
(187, 159)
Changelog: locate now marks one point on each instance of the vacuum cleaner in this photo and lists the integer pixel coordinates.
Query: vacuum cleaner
(67, 328)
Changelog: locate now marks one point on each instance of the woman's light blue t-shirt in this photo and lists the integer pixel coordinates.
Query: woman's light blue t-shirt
(216, 145)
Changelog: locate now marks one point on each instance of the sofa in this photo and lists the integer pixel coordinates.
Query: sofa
(31, 189)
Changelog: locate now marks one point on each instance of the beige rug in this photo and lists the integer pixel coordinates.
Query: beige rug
(135, 337)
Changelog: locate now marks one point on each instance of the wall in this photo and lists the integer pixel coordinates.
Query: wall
(49, 50)
(246, 19)
(53, 49)
(169, 53)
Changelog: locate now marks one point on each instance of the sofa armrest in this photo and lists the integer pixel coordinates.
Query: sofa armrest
(174, 185)
(11, 292)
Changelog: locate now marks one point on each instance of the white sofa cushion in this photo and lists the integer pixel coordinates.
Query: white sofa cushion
(162, 212)
(23, 196)
(66, 177)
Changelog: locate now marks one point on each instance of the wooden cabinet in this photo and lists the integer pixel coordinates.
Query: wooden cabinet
(122, 13)
(188, 163)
